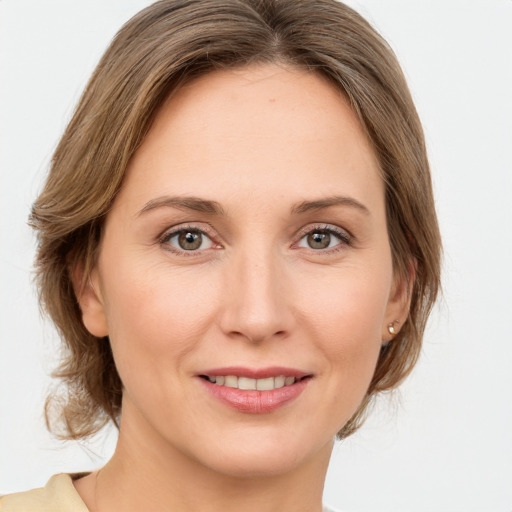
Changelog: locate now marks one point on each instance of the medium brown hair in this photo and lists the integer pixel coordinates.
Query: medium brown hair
(163, 47)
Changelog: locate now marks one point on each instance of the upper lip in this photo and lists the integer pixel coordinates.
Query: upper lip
(256, 373)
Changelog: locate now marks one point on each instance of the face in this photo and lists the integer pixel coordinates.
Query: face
(244, 276)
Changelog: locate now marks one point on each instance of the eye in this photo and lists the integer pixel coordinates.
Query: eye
(324, 238)
(188, 239)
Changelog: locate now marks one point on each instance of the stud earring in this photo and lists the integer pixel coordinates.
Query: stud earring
(391, 328)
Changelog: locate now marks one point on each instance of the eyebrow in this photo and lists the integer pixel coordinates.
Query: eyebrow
(195, 204)
(198, 204)
(320, 204)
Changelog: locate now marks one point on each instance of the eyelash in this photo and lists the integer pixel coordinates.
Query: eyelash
(345, 239)
(168, 235)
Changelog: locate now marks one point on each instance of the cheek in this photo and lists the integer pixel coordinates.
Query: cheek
(156, 316)
(346, 314)
(348, 306)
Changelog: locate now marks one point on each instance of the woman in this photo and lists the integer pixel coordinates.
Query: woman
(239, 247)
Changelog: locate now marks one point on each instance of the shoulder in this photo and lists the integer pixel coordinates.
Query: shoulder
(58, 495)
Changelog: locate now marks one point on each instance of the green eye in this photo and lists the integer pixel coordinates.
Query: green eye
(319, 240)
(188, 240)
(325, 238)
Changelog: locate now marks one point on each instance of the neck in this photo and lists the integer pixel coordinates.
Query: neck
(147, 474)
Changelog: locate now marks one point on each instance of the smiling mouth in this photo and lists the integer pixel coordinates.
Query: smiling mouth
(249, 384)
(255, 390)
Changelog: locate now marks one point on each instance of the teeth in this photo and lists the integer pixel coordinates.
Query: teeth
(265, 384)
(231, 381)
(279, 381)
(289, 380)
(245, 383)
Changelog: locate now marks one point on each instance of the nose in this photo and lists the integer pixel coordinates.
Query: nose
(257, 300)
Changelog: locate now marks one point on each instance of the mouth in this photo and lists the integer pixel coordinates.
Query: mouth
(255, 391)
(251, 384)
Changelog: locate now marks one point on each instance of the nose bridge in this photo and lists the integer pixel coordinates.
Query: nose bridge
(256, 305)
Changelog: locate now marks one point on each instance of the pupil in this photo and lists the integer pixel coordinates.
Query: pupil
(319, 240)
(189, 240)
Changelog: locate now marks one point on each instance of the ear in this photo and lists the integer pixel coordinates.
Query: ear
(399, 303)
(88, 293)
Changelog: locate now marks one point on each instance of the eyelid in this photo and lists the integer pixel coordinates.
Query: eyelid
(346, 238)
(169, 233)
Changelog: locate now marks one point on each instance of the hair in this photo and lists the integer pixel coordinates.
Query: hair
(164, 46)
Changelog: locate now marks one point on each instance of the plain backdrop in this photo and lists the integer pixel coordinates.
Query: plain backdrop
(444, 441)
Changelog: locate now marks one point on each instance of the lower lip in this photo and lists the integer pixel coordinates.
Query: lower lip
(253, 401)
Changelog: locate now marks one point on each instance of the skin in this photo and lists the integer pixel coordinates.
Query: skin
(259, 141)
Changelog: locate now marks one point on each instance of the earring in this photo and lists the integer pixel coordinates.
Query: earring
(391, 328)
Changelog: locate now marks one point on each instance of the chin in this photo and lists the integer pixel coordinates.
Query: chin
(264, 455)
(255, 465)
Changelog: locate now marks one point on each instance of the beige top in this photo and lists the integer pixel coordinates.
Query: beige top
(58, 495)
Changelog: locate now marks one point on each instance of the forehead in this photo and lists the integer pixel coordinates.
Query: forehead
(263, 129)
